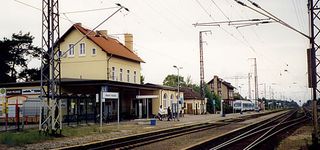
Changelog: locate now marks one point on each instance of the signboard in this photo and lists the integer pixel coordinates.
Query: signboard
(31, 91)
(146, 96)
(14, 91)
(110, 95)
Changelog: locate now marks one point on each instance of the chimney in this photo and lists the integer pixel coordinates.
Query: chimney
(128, 41)
(103, 33)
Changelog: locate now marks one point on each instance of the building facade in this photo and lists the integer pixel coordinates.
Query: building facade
(221, 88)
(98, 56)
(193, 103)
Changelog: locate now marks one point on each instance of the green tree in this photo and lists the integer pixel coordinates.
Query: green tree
(19, 50)
(210, 98)
(30, 74)
(172, 80)
(237, 96)
(4, 62)
(141, 79)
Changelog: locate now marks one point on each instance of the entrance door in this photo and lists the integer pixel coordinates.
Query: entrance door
(137, 107)
(189, 108)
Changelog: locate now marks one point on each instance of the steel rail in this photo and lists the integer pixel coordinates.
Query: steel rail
(254, 131)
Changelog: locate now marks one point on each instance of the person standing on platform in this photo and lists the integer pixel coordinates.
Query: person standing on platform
(160, 112)
(169, 114)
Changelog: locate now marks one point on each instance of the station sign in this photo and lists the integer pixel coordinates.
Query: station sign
(14, 92)
(31, 91)
(110, 95)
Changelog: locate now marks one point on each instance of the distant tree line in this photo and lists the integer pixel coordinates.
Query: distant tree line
(15, 55)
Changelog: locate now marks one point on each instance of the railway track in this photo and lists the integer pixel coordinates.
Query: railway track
(253, 136)
(134, 141)
(143, 139)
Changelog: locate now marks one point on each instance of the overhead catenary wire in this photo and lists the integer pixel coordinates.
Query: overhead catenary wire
(88, 10)
(266, 20)
(269, 15)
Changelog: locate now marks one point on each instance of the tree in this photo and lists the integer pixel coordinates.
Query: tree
(172, 80)
(210, 98)
(19, 51)
(30, 74)
(237, 96)
(141, 79)
(4, 62)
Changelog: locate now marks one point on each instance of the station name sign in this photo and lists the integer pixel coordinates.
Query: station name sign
(14, 91)
(23, 91)
(110, 95)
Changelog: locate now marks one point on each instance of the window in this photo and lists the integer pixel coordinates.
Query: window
(128, 75)
(135, 76)
(71, 50)
(165, 101)
(121, 71)
(94, 51)
(82, 51)
(113, 73)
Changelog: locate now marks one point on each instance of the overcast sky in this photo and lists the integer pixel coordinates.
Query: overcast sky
(164, 36)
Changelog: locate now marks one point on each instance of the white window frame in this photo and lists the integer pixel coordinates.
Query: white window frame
(113, 73)
(95, 50)
(82, 49)
(71, 50)
(135, 76)
(128, 75)
(121, 74)
(165, 97)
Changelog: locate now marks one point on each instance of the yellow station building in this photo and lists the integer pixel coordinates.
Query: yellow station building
(95, 63)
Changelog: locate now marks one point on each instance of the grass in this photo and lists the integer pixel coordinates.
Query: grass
(30, 136)
(22, 138)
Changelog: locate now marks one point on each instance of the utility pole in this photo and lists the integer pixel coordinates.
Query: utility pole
(256, 95)
(265, 90)
(255, 75)
(202, 68)
(313, 62)
(50, 120)
(249, 85)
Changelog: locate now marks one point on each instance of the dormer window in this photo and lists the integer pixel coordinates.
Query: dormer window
(82, 51)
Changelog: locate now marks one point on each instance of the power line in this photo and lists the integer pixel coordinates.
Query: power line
(28, 5)
(88, 10)
(220, 10)
(269, 15)
(205, 10)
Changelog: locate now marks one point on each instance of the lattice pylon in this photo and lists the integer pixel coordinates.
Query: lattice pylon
(50, 109)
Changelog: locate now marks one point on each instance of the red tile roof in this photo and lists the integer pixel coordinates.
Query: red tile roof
(107, 44)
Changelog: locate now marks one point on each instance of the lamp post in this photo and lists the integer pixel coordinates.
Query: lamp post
(178, 68)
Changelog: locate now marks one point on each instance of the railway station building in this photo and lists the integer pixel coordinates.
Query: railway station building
(97, 64)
